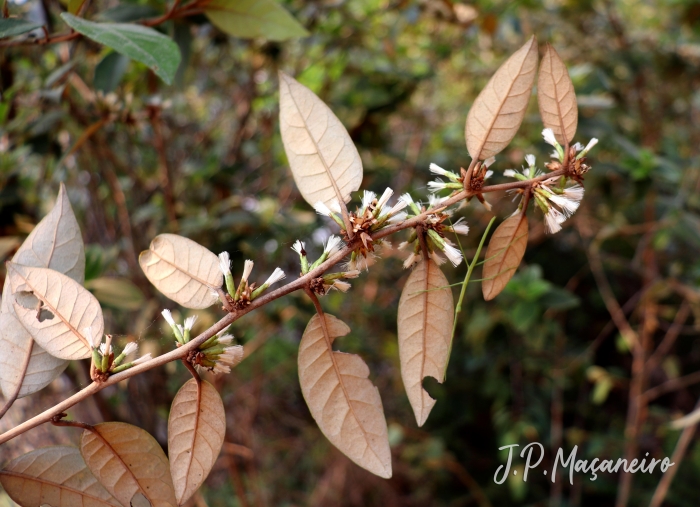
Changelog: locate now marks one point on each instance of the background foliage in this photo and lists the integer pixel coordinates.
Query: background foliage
(203, 158)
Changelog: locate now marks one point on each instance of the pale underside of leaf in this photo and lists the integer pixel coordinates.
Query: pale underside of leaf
(16, 349)
(128, 461)
(55, 476)
(196, 430)
(324, 161)
(183, 270)
(343, 401)
(425, 315)
(72, 309)
(253, 18)
(556, 97)
(498, 111)
(504, 254)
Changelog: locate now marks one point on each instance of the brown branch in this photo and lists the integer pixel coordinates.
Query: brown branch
(671, 385)
(670, 338)
(165, 175)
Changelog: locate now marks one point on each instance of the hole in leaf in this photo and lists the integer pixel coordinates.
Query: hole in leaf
(435, 390)
(45, 314)
(27, 300)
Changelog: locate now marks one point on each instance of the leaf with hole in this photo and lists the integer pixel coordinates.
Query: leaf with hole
(253, 18)
(55, 476)
(138, 42)
(341, 398)
(498, 111)
(504, 254)
(556, 97)
(129, 463)
(425, 315)
(324, 161)
(67, 308)
(183, 270)
(196, 430)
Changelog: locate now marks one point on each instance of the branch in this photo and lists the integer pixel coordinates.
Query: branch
(299, 283)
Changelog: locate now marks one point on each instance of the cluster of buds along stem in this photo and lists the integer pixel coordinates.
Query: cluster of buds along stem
(373, 215)
(246, 292)
(572, 161)
(323, 284)
(104, 361)
(433, 231)
(457, 182)
(217, 354)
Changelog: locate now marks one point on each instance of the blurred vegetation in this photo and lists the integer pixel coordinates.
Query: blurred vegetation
(203, 158)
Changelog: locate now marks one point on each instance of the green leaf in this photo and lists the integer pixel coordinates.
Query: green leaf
(9, 27)
(253, 18)
(138, 42)
(118, 293)
(110, 71)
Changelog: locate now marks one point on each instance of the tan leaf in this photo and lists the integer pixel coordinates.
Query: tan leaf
(498, 111)
(556, 97)
(425, 319)
(16, 348)
(68, 308)
(183, 270)
(324, 160)
(196, 430)
(56, 243)
(129, 462)
(504, 254)
(341, 398)
(55, 476)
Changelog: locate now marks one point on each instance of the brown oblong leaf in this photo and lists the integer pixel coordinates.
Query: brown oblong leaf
(56, 243)
(68, 308)
(183, 270)
(498, 111)
(25, 367)
(341, 398)
(425, 316)
(556, 97)
(324, 161)
(55, 476)
(504, 254)
(196, 430)
(129, 463)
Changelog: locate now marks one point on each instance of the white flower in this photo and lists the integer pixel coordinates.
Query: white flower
(332, 246)
(351, 274)
(367, 199)
(553, 220)
(436, 169)
(460, 227)
(103, 349)
(488, 174)
(247, 268)
(181, 329)
(568, 206)
(412, 259)
(489, 162)
(299, 247)
(168, 317)
(275, 277)
(225, 263)
(435, 201)
(400, 205)
(402, 245)
(94, 340)
(322, 209)
(335, 206)
(578, 147)
(588, 147)
(130, 348)
(530, 159)
(437, 258)
(398, 217)
(385, 198)
(220, 368)
(574, 192)
(406, 199)
(454, 255)
(189, 322)
(142, 359)
(226, 339)
(510, 173)
(549, 138)
(437, 185)
(341, 285)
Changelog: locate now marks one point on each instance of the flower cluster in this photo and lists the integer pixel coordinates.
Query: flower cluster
(435, 228)
(325, 283)
(246, 292)
(104, 361)
(573, 162)
(455, 182)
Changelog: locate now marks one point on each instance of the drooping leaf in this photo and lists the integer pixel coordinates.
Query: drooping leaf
(55, 476)
(118, 293)
(196, 430)
(425, 316)
(324, 161)
(499, 109)
(253, 18)
(109, 72)
(16, 348)
(183, 270)
(9, 27)
(504, 254)
(138, 42)
(129, 463)
(556, 97)
(341, 398)
(67, 309)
